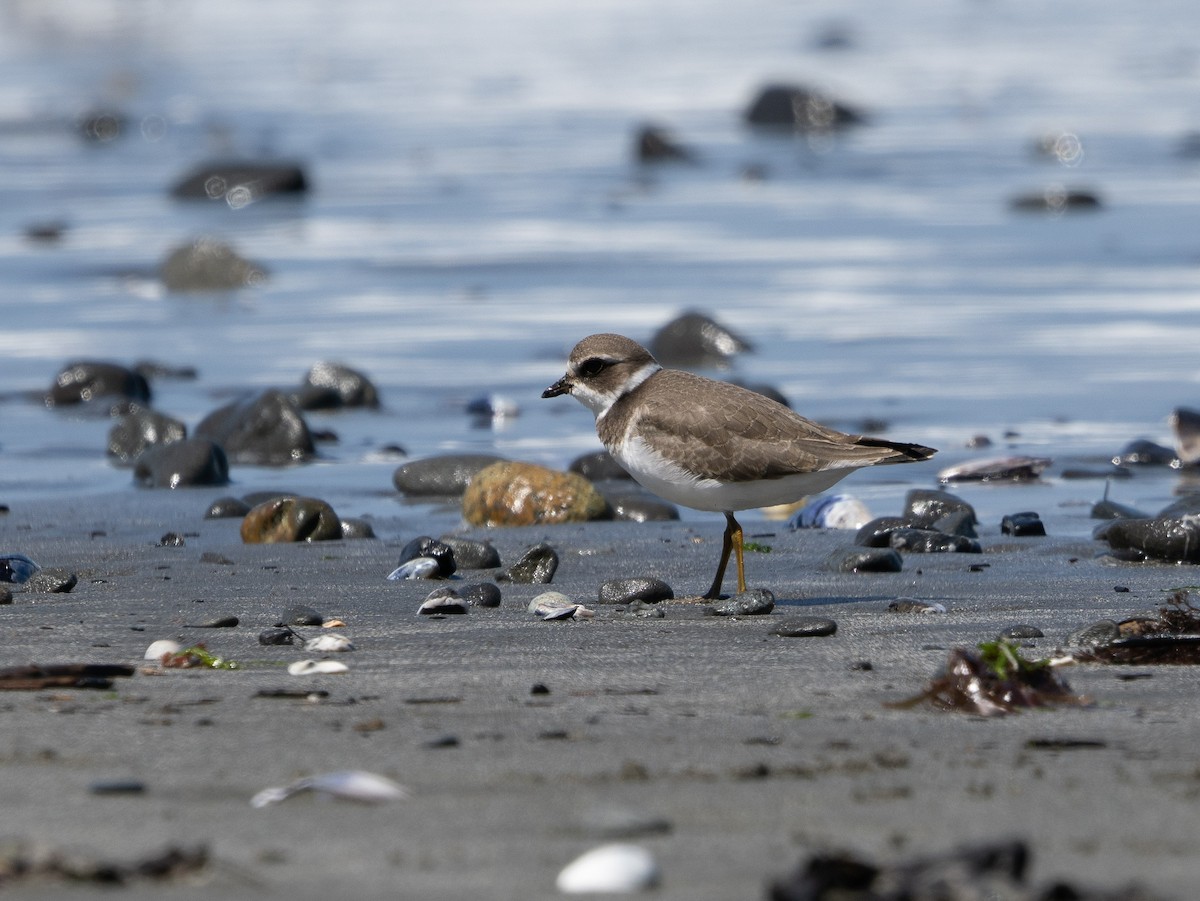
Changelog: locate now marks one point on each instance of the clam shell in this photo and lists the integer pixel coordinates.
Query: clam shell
(347, 785)
(613, 868)
(159, 648)
(317, 667)
(416, 568)
(331, 642)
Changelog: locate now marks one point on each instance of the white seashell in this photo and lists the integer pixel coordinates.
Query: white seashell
(834, 511)
(416, 568)
(317, 667)
(163, 646)
(330, 642)
(549, 600)
(571, 611)
(348, 785)
(615, 868)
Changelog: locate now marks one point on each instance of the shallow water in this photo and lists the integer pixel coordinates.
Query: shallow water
(476, 210)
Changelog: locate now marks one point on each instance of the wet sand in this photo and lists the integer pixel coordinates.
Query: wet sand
(729, 752)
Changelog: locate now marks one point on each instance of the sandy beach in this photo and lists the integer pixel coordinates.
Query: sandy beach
(729, 752)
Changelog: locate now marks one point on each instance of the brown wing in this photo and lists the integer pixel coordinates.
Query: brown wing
(744, 427)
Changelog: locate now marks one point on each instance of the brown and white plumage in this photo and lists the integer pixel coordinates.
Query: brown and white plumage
(707, 444)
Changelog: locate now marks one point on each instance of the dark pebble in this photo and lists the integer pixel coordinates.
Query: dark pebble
(53, 580)
(925, 507)
(536, 567)
(141, 429)
(438, 551)
(805, 627)
(443, 741)
(349, 387)
(751, 602)
(171, 539)
(227, 508)
(641, 588)
(117, 787)
(1145, 453)
(791, 107)
(87, 381)
(1107, 509)
(442, 601)
(484, 594)
(221, 622)
(1167, 539)
(276, 637)
(1098, 633)
(653, 144)
(1106, 473)
(300, 615)
(1056, 199)
(354, 529)
(539, 688)
(444, 476)
(469, 554)
(910, 605)
(878, 532)
(871, 560)
(1022, 524)
(927, 541)
(214, 557)
(266, 429)
(599, 466)
(238, 182)
(181, 464)
(1021, 631)
(694, 339)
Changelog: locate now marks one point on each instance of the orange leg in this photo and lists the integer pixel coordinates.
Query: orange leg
(731, 541)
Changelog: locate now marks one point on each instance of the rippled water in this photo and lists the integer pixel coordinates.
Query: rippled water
(476, 209)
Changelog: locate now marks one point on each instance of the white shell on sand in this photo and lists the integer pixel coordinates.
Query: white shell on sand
(347, 785)
(556, 605)
(329, 643)
(317, 667)
(163, 646)
(417, 568)
(614, 868)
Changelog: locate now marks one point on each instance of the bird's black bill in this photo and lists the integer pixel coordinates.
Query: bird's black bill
(562, 386)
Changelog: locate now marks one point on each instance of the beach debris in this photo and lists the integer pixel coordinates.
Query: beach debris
(442, 601)
(831, 511)
(16, 568)
(161, 648)
(1170, 637)
(616, 868)
(330, 642)
(317, 668)
(417, 568)
(40, 863)
(33, 676)
(196, 656)
(536, 567)
(996, 469)
(554, 605)
(993, 680)
(751, 602)
(433, 549)
(345, 785)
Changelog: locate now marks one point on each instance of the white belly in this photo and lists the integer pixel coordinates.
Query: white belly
(673, 483)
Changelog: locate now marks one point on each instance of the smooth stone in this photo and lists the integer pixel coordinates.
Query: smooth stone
(117, 787)
(182, 464)
(614, 868)
(220, 622)
(927, 541)
(85, 381)
(536, 567)
(630, 503)
(831, 511)
(1021, 631)
(416, 568)
(751, 602)
(483, 594)
(469, 554)
(523, 494)
(599, 466)
(796, 108)
(958, 522)
(207, 264)
(872, 560)
(443, 601)
(696, 340)
(878, 532)
(1141, 452)
(227, 508)
(997, 469)
(238, 182)
(351, 387)
(438, 551)
(301, 615)
(1095, 634)
(16, 568)
(276, 637)
(152, 370)
(1025, 523)
(911, 605)
(805, 627)
(444, 476)
(1188, 505)
(1167, 539)
(356, 529)
(639, 588)
(135, 432)
(925, 506)
(1186, 424)
(654, 144)
(287, 519)
(52, 580)
(265, 429)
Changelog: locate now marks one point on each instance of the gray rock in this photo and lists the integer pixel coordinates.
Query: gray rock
(599, 466)
(238, 182)
(923, 507)
(444, 476)
(469, 554)
(483, 594)
(641, 588)
(872, 560)
(1021, 631)
(139, 430)
(208, 265)
(277, 637)
(300, 615)
(536, 567)
(695, 340)
(629, 502)
(1020, 524)
(912, 605)
(349, 386)
(805, 627)
(928, 541)
(1106, 509)
(751, 602)
(1056, 199)
(1141, 452)
(1098, 633)
(87, 381)
(878, 532)
(263, 430)
(653, 144)
(356, 528)
(1165, 539)
(182, 464)
(793, 108)
(227, 508)
(52, 580)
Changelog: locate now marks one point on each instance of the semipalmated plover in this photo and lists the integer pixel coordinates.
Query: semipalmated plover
(710, 445)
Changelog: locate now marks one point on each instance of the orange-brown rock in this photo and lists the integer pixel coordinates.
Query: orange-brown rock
(524, 494)
(291, 519)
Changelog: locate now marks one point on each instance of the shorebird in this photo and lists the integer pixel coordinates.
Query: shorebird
(710, 445)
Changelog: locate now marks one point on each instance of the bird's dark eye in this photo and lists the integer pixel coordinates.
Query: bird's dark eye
(592, 366)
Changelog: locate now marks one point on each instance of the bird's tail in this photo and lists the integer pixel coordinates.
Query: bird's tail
(903, 453)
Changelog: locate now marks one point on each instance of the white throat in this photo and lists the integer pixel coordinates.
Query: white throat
(600, 402)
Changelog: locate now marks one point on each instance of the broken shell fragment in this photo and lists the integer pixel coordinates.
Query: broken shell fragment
(329, 643)
(317, 667)
(614, 868)
(346, 785)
